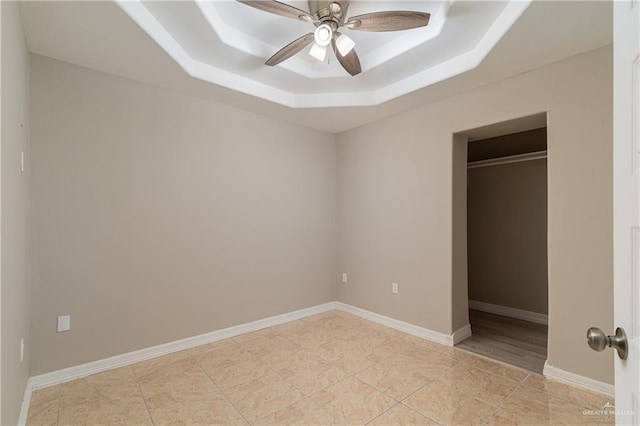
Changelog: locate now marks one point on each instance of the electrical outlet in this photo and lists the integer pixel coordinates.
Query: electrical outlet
(64, 323)
(394, 288)
(344, 277)
(21, 349)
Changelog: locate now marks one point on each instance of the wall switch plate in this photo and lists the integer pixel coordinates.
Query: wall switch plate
(22, 349)
(394, 288)
(344, 277)
(64, 323)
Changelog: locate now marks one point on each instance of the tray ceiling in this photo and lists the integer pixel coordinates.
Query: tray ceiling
(226, 43)
(99, 35)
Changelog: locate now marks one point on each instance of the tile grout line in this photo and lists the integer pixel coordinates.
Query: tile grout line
(348, 376)
(306, 397)
(144, 400)
(239, 344)
(288, 405)
(333, 332)
(504, 400)
(562, 398)
(383, 413)
(431, 381)
(518, 384)
(219, 388)
(413, 409)
(398, 402)
(58, 407)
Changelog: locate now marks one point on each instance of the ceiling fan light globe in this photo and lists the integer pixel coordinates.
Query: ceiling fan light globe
(344, 44)
(323, 34)
(319, 52)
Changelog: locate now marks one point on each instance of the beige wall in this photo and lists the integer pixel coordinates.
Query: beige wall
(507, 235)
(459, 270)
(395, 198)
(158, 216)
(15, 294)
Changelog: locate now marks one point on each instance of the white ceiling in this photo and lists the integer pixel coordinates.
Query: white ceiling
(226, 43)
(216, 50)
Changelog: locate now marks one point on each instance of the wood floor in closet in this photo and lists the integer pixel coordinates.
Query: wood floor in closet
(519, 343)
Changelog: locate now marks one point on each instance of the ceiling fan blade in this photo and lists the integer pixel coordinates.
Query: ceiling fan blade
(350, 62)
(290, 49)
(388, 21)
(278, 8)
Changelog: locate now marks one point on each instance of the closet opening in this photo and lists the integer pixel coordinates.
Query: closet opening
(507, 262)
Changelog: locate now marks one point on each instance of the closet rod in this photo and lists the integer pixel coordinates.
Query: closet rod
(507, 160)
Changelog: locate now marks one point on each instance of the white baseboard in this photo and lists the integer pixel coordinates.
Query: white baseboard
(460, 334)
(83, 370)
(509, 312)
(555, 373)
(26, 402)
(406, 327)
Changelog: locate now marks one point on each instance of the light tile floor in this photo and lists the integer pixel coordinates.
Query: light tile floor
(332, 368)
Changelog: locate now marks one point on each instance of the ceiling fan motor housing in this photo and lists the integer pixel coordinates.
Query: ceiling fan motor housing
(332, 13)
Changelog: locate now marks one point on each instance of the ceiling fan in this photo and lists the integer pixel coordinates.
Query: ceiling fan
(328, 16)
